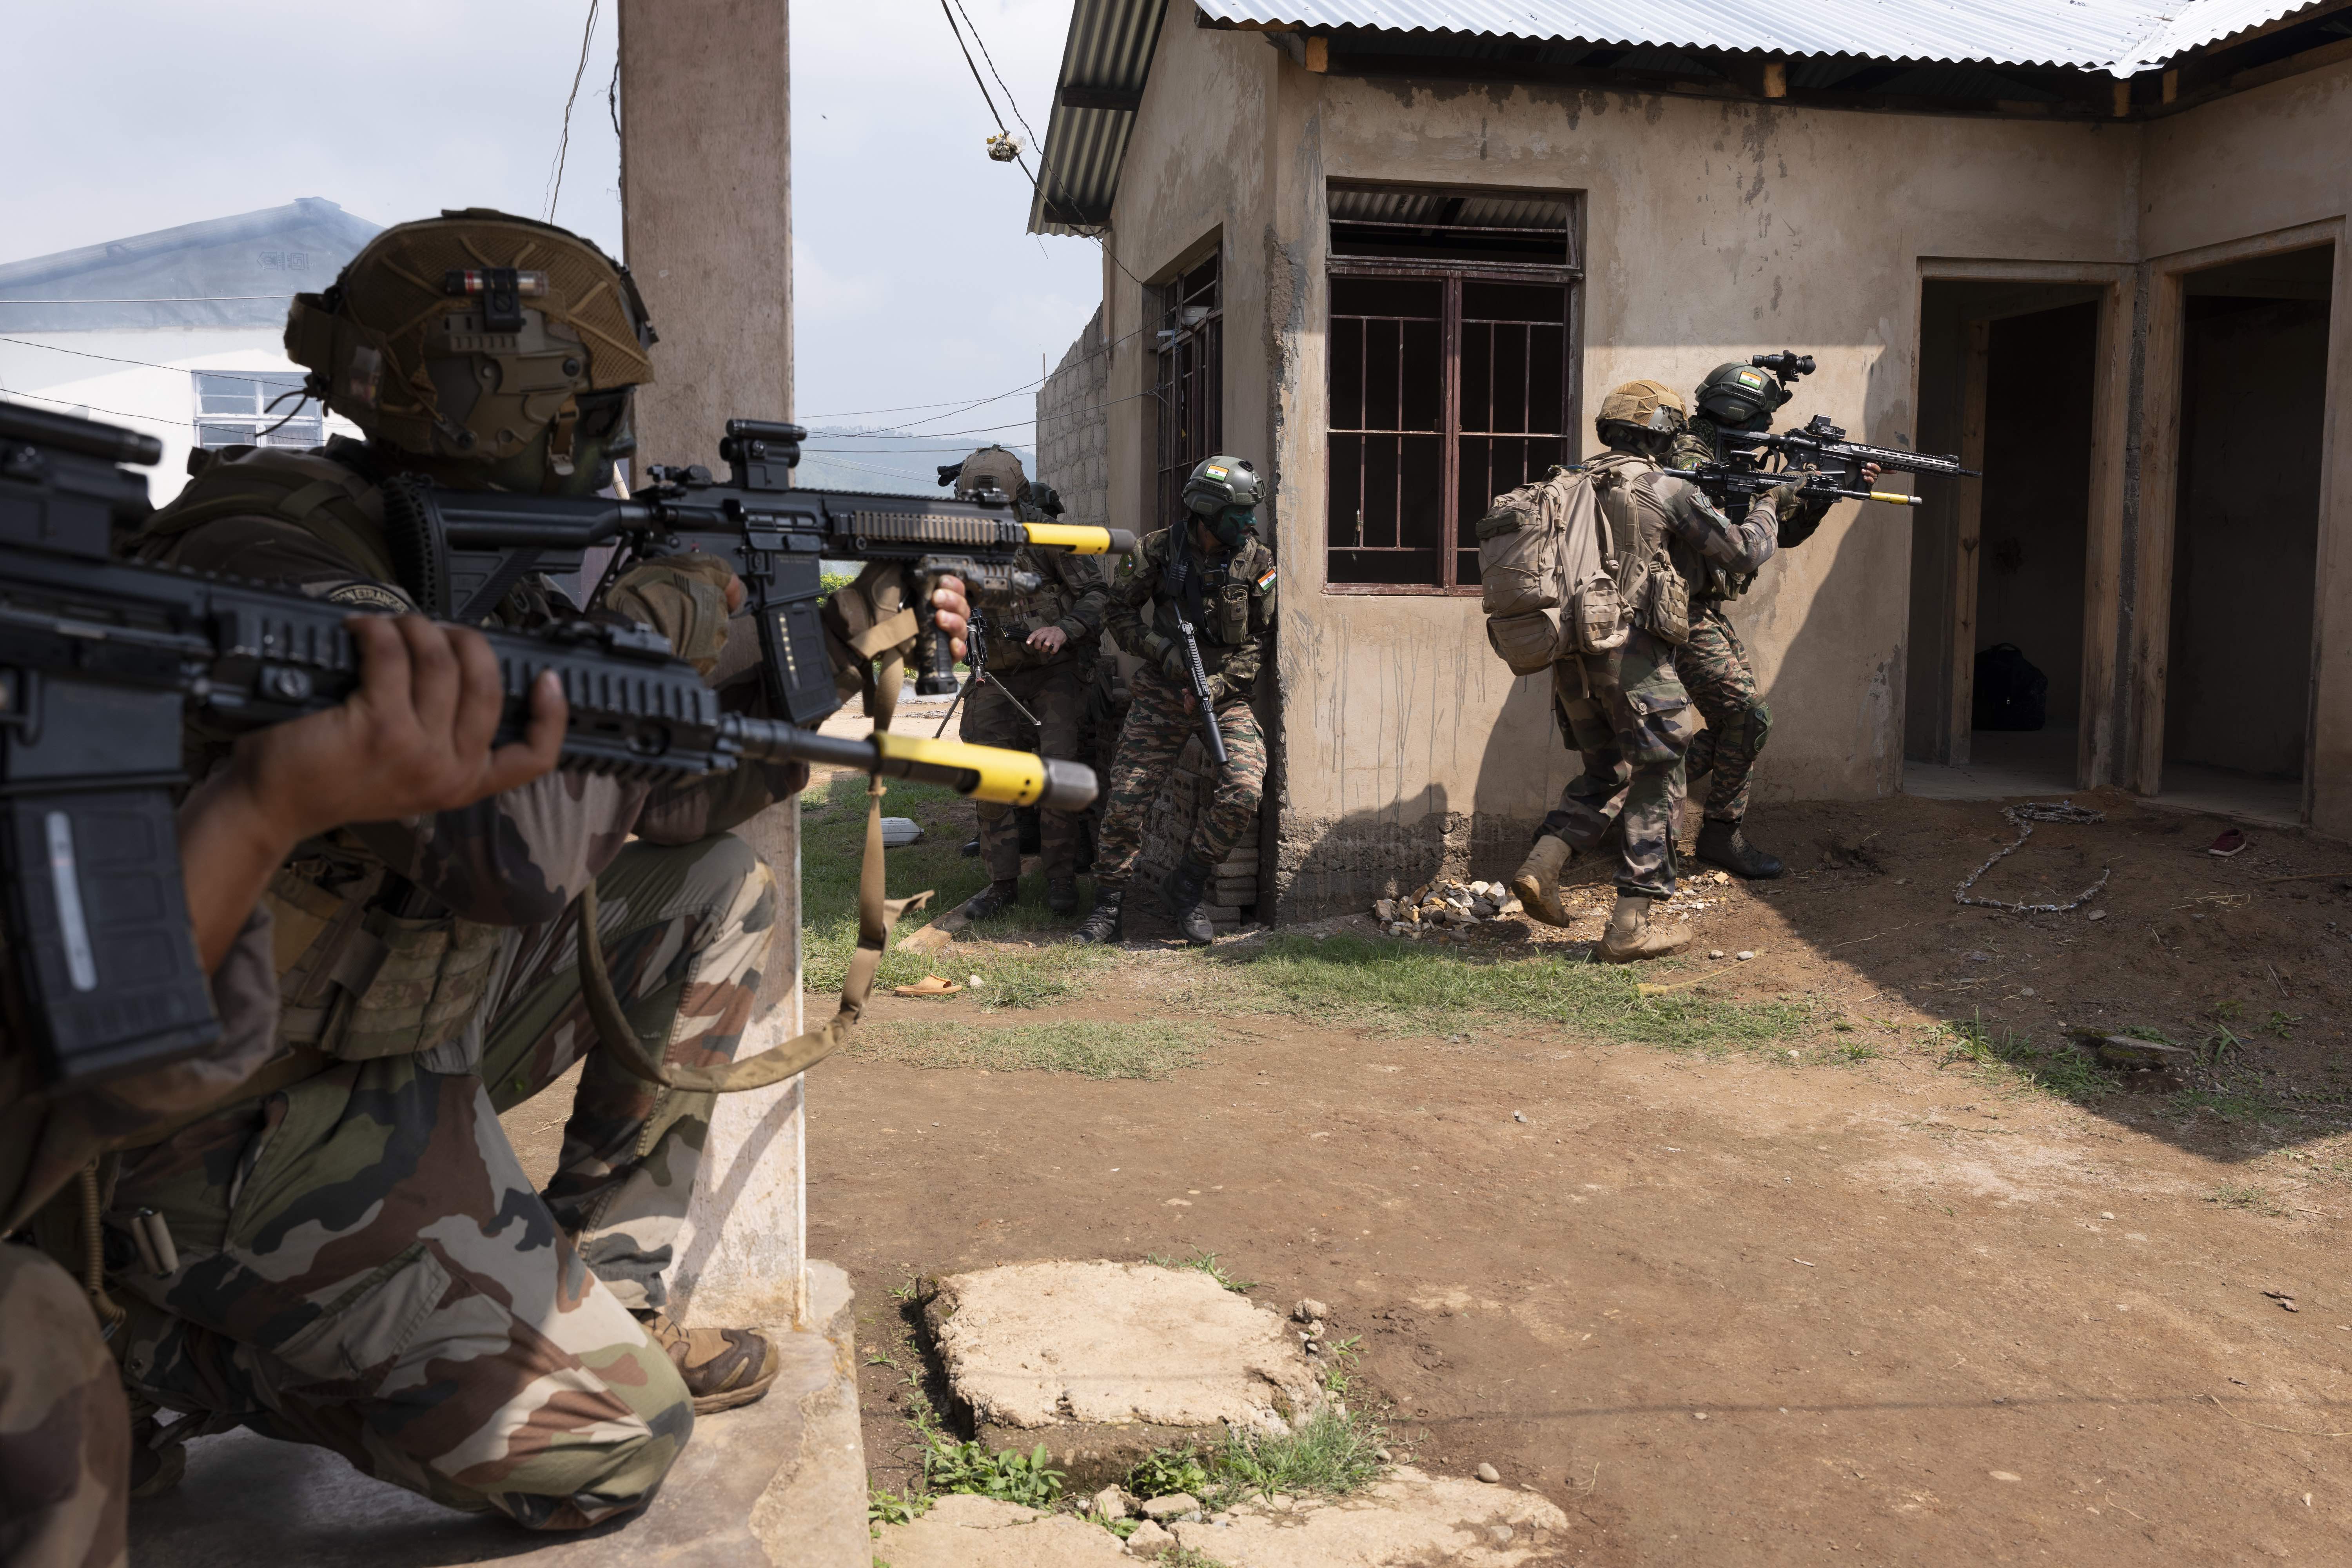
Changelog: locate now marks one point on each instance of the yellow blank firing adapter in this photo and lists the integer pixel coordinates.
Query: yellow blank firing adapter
(1080, 539)
(988, 772)
(1895, 497)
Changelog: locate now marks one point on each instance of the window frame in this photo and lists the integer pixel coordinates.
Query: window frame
(249, 427)
(1202, 388)
(1452, 275)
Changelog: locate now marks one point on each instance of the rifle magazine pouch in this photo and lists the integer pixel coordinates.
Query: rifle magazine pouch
(1666, 605)
(1518, 558)
(1598, 617)
(1527, 643)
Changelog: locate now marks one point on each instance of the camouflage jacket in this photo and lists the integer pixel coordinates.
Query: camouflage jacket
(1234, 624)
(1696, 445)
(1073, 597)
(1699, 538)
(45, 1140)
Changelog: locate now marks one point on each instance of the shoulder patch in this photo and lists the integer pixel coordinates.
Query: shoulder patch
(1266, 580)
(369, 596)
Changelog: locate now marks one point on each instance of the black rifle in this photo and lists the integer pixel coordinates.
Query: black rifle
(460, 551)
(101, 660)
(975, 664)
(1200, 679)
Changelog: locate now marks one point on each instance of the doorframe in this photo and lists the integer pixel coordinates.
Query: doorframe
(2096, 746)
(2159, 503)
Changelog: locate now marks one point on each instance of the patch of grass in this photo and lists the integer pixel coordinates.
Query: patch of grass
(1408, 989)
(1164, 1472)
(2058, 1069)
(2281, 1023)
(1009, 1477)
(826, 582)
(1332, 1453)
(833, 838)
(1031, 976)
(2224, 1104)
(1090, 1049)
(1338, 1357)
(1856, 1051)
(1185, 1557)
(1206, 1262)
(2237, 1196)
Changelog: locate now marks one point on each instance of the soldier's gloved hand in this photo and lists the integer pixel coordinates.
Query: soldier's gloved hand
(686, 597)
(1784, 500)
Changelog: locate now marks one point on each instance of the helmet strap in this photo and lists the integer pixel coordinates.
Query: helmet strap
(559, 437)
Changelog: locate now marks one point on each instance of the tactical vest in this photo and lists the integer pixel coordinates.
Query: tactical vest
(1227, 583)
(367, 964)
(1009, 650)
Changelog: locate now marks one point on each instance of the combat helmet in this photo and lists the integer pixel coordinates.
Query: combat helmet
(1222, 482)
(1650, 407)
(482, 338)
(990, 467)
(1736, 395)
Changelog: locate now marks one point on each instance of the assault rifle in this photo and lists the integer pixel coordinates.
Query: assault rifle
(460, 551)
(1200, 679)
(101, 660)
(1817, 459)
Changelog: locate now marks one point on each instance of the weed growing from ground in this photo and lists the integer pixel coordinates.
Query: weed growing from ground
(2252, 1199)
(1404, 988)
(2058, 1069)
(888, 1508)
(1331, 1454)
(1164, 1472)
(1206, 1262)
(1153, 1049)
(1338, 1356)
(1008, 1477)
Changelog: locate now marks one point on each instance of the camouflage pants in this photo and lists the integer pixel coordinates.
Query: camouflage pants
(1629, 718)
(65, 1429)
(1156, 728)
(1056, 694)
(1713, 669)
(365, 1265)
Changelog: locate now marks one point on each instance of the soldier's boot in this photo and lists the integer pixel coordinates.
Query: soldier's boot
(971, 849)
(1182, 888)
(1537, 882)
(721, 1368)
(1062, 895)
(159, 1458)
(1722, 844)
(1633, 936)
(1103, 922)
(994, 898)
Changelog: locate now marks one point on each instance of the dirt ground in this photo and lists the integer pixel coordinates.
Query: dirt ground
(1877, 1301)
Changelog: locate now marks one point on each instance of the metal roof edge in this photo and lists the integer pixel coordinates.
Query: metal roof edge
(35, 270)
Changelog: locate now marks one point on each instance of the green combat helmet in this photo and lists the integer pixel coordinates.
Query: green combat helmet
(1225, 491)
(495, 343)
(1739, 396)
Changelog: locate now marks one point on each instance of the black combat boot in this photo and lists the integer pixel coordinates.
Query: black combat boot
(1182, 888)
(1722, 844)
(1102, 922)
(994, 898)
(1062, 895)
(971, 849)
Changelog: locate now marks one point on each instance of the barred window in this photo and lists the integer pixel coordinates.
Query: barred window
(1191, 382)
(1451, 355)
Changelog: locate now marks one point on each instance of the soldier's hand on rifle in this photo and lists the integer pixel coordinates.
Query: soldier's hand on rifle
(1870, 472)
(1048, 640)
(412, 740)
(950, 611)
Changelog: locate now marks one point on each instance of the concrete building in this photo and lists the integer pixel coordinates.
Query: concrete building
(1395, 251)
(179, 332)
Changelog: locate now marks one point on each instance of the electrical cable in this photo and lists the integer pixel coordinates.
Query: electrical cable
(563, 143)
(157, 299)
(1012, 102)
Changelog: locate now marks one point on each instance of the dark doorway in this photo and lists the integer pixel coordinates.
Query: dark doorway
(2007, 376)
(2253, 370)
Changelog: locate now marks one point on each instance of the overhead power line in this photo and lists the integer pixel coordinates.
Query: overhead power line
(563, 143)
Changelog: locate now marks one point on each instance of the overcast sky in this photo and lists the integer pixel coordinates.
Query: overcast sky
(915, 281)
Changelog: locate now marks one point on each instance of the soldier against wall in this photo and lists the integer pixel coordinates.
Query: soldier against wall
(1040, 656)
(1714, 663)
(1626, 711)
(1213, 571)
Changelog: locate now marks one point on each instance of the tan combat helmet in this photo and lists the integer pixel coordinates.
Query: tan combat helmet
(476, 336)
(992, 468)
(1651, 406)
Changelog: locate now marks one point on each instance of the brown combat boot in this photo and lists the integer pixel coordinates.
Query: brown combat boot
(1537, 882)
(1633, 936)
(722, 1368)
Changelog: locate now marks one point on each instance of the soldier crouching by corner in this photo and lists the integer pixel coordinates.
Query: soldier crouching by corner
(1625, 710)
(361, 1262)
(412, 740)
(1213, 572)
(1714, 663)
(1040, 657)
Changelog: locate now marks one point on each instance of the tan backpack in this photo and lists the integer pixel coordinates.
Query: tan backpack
(1547, 577)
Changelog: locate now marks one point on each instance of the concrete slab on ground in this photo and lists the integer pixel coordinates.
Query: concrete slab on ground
(781, 1481)
(1103, 1361)
(1408, 1521)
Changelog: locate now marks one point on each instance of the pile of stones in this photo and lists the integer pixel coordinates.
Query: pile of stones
(1446, 906)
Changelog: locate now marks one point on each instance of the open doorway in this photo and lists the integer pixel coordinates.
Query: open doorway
(1995, 670)
(2254, 392)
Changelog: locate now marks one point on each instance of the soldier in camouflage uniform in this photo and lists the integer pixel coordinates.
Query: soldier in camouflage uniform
(1626, 711)
(1714, 663)
(362, 1263)
(1213, 571)
(1041, 655)
(401, 747)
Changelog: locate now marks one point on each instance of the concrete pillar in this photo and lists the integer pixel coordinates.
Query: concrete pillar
(706, 191)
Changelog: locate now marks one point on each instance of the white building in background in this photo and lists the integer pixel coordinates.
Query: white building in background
(179, 332)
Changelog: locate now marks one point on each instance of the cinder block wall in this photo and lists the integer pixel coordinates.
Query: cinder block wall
(1072, 428)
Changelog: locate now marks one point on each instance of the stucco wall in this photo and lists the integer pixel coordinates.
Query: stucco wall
(1712, 230)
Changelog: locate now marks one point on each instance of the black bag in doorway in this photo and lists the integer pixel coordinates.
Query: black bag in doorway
(2011, 694)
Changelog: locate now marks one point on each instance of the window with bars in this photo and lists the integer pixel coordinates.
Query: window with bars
(233, 409)
(1191, 382)
(1452, 374)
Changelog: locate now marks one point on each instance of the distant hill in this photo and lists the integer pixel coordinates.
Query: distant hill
(838, 458)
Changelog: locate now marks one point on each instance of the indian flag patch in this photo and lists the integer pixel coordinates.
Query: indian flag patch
(1266, 582)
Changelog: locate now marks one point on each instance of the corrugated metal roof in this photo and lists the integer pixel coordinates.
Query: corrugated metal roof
(1108, 51)
(2118, 35)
